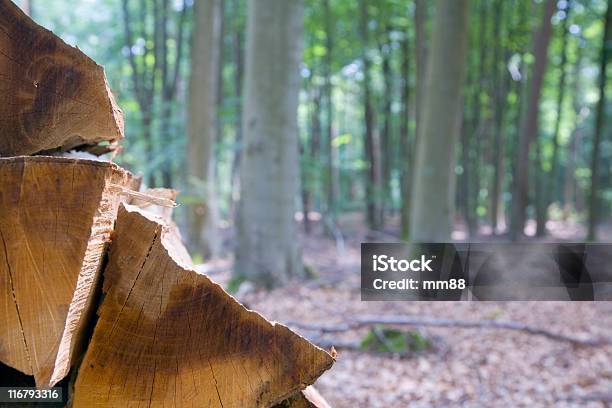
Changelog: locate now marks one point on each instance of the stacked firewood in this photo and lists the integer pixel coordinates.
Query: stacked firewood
(96, 290)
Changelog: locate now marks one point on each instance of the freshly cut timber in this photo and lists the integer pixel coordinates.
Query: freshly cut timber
(56, 216)
(52, 96)
(169, 336)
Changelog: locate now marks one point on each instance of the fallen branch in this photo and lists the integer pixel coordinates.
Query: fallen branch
(464, 324)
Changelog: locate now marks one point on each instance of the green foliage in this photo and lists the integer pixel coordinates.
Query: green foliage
(386, 340)
(234, 283)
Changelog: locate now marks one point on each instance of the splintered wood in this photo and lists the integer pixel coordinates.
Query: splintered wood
(169, 336)
(52, 96)
(56, 215)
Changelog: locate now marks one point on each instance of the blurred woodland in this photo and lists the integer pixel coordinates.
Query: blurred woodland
(434, 120)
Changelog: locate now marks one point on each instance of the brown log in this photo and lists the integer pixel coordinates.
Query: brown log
(169, 336)
(52, 96)
(56, 215)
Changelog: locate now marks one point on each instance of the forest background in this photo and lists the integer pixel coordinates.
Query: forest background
(506, 139)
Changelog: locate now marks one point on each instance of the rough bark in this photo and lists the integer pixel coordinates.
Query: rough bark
(267, 251)
(53, 96)
(606, 52)
(202, 126)
(169, 336)
(529, 121)
(435, 161)
(56, 216)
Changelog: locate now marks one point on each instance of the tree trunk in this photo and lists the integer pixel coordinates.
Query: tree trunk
(553, 180)
(238, 52)
(332, 174)
(420, 58)
(477, 128)
(570, 190)
(267, 251)
(432, 208)
(500, 81)
(529, 121)
(386, 156)
(547, 193)
(202, 126)
(309, 179)
(606, 51)
(406, 144)
(371, 145)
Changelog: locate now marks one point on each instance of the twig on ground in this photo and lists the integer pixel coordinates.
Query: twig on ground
(433, 322)
(604, 397)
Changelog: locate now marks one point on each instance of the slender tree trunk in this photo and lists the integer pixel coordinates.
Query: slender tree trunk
(202, 125)
(267, 251)
(529, 122)
(314, 153)
(548, 192)
(386, 160)
(540, 192)
(238, 54)
(406, 163)
(477, 129)
(606, 51)
(500, 81)
(143, 80)
(432, 209)
(147, 129)
(372, 146)
(553, 180)
(570, 186)
(332, 174)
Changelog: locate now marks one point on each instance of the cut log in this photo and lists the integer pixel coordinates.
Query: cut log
(56, 215)
(169, 336)
(52, 96)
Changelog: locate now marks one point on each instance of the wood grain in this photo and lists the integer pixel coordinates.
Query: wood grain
(52, 96)
(56, 215)
(168, 336)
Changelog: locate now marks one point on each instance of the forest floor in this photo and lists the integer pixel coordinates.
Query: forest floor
(462, 367)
